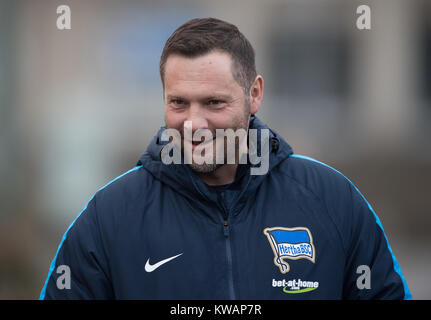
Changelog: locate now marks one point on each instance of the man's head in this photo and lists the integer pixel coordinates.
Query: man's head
(208, 74)
(198, 37)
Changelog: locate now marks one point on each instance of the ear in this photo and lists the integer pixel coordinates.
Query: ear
(256, 94)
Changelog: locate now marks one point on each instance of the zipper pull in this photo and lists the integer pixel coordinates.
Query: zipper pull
(225, 228)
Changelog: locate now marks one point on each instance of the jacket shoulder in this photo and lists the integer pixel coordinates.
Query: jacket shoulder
(128, 184)
(107, 206)
(320, 178)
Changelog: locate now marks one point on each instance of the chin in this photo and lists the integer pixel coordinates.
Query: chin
(205, 168)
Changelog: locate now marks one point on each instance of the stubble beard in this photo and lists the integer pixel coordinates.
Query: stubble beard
(239, 123)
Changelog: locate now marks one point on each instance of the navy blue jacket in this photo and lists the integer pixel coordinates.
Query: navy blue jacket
(301, 231)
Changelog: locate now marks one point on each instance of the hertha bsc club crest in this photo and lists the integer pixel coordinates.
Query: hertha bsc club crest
(290, 243)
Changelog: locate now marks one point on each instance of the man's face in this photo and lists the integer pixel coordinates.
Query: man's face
(202, 90)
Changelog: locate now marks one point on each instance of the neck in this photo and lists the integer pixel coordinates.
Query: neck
(222, 175)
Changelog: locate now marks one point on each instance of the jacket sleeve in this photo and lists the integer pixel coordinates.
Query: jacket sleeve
(80, 269)
(372, 271)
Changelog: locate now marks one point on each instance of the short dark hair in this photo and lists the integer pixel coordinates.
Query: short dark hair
(199, 36)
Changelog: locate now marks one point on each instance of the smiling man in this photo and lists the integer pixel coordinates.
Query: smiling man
(215, 230)
(211, 82)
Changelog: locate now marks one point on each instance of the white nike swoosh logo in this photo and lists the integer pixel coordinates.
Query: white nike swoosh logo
(151, 267)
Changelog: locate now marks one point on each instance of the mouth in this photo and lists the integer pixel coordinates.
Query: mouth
(201, 144)
(196, 143)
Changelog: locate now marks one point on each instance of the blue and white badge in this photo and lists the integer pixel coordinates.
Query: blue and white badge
(290, 243)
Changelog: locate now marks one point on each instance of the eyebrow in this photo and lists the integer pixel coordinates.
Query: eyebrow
(210, 97)
(171, 97)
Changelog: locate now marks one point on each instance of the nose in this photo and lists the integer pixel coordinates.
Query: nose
(197, 115)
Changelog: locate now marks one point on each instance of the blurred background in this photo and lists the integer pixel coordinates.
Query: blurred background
(79, 106)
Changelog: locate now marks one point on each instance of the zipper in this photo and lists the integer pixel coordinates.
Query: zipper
(226, 228)
(229, 259)
(226, 233)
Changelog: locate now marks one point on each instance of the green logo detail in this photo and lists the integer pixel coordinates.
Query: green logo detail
(298, 291)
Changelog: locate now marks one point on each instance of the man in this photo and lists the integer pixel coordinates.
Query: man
(211, 230)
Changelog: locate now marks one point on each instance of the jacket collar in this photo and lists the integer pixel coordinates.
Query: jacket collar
(183, 180)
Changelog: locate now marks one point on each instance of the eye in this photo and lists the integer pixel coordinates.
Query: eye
(215, 102)
(177, 101)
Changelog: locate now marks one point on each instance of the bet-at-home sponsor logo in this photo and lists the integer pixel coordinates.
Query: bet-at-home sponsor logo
(295, 285)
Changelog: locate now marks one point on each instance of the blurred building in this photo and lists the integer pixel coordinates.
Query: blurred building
(79, 106)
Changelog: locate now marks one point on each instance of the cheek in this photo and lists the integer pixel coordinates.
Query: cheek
(174, 119)
(230, 118)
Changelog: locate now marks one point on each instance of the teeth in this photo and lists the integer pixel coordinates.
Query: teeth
(195, 142)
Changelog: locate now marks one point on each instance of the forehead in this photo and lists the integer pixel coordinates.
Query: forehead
(205, 73)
